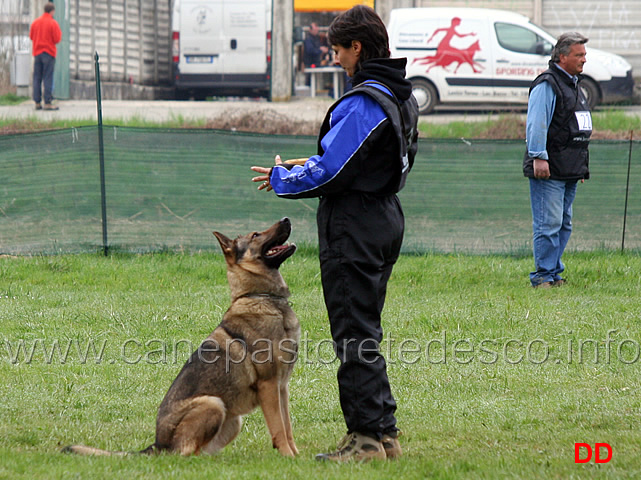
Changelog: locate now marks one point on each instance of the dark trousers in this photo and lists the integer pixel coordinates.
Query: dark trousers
(360, 239)
(43, 66)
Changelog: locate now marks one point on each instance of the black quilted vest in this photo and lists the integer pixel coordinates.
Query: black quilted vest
(569, 133)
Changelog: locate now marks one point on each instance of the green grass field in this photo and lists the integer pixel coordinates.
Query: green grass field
(493, 378)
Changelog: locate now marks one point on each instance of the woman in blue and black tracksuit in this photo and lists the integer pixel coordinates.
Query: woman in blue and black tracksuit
(366, 148)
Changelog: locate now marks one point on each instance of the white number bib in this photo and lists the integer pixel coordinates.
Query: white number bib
(585, 121)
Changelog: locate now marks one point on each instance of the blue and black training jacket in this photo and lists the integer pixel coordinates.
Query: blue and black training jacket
(366, 144)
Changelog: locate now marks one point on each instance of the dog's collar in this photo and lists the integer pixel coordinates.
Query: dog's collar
(262, 295)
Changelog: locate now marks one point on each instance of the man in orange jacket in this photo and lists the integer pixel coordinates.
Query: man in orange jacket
(45, 34)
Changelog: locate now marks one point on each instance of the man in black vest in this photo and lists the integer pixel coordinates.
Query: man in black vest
(558, 131)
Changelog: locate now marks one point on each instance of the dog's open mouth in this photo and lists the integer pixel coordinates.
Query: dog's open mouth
(277, 251)
(277, 254)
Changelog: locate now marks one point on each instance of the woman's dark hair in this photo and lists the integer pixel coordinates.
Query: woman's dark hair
(363, 24)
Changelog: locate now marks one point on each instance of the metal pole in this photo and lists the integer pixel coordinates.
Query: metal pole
(627, 190)
(101, 151)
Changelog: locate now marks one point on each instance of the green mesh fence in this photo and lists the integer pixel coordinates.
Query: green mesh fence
(170, 188)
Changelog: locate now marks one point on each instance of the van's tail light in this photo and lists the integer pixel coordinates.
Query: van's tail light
(269, 47)
(175, 46)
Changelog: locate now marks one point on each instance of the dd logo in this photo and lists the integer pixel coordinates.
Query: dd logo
(597, 452)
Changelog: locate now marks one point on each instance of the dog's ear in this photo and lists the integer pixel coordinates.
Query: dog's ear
(226, 244)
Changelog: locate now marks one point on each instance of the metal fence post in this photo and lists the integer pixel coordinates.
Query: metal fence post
(101, 151)
(627, 190)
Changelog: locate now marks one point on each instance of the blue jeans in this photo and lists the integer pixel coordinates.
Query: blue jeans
(551, 202)
(43, 66)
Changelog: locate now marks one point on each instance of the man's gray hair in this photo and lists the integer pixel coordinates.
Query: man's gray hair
(564, 44)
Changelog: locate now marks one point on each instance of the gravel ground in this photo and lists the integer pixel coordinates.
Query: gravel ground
(299, 116)
(305, 109)
(299, 109)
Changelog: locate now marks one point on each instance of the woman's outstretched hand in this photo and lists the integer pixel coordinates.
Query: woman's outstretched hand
(266, 173)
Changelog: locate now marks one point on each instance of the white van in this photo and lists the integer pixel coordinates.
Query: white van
(476, 55)
(221, 47)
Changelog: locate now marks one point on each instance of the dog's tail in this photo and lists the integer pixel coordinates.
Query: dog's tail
(84, 450)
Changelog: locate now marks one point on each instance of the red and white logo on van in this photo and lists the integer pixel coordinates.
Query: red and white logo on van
(446, 54)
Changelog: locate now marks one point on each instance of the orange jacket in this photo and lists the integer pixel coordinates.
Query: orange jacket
(44, 34)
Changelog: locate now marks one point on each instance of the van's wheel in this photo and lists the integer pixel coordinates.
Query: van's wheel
(591, 92)
(425, 95)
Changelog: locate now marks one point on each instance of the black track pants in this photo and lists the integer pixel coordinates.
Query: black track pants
(360, 239)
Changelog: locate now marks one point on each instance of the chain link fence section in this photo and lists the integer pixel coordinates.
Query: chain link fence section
(168, 189)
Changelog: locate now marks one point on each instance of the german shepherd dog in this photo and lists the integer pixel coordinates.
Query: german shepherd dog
(245, 362)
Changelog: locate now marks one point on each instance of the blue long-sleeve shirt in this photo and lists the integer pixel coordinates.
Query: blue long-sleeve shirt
(540, 109)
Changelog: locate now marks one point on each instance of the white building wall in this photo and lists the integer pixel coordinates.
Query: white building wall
(611, 25)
